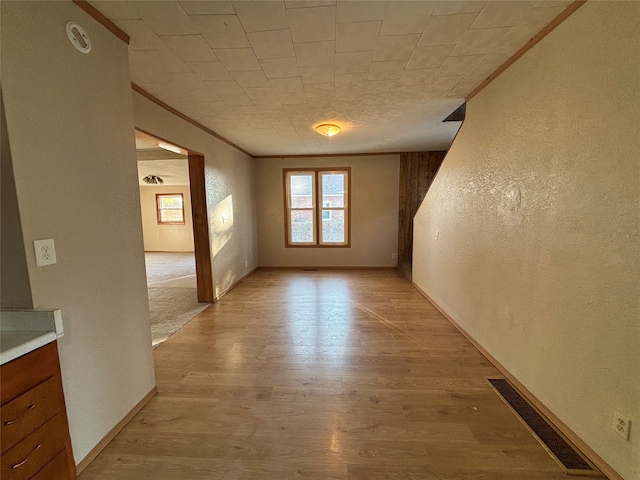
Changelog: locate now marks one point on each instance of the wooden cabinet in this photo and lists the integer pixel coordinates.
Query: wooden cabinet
(34, 433)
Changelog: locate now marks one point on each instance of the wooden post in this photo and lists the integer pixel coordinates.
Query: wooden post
(204, 273)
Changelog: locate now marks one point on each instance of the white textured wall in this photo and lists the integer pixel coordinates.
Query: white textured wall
(230, 192)
(165, 238)
(374, 213)
(71, 130)
(537, 211)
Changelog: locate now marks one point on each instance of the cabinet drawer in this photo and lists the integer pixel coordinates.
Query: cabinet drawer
(56, 469)
(31, 454)
(24, 373)
(30, 410)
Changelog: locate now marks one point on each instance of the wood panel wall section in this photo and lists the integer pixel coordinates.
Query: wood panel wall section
(417, 171)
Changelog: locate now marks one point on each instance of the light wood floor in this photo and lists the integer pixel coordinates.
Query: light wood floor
(323, 375)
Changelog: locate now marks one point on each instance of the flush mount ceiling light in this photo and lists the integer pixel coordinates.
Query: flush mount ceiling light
(153, 180)
(328, 129)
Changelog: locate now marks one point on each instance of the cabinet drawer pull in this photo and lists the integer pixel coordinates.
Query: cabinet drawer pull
(18, 465)
(11, 422)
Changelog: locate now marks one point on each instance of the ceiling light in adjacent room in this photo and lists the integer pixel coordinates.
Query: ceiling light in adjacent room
(153, 180)
(328, 129)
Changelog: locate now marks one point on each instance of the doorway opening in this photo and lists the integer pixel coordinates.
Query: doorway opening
(175, 232)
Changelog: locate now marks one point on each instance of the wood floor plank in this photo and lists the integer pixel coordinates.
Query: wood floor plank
(332, 375)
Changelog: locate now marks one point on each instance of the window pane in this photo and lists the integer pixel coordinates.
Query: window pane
(333, 229)
(333, 189)
(316, 206)
(302, 226)
(301, 188)
(171, 216)
(171, 202)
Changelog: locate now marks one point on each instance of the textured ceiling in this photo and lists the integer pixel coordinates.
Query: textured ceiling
(173, 172)
(172, 167)
(142, 144)
(263, 73)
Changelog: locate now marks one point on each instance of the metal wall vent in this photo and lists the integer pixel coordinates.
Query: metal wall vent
(569, 459)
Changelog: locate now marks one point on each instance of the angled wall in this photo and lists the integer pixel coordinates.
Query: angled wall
(529, 235)
(70, 125)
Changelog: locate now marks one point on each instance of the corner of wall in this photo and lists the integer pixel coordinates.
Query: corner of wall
(15, 289)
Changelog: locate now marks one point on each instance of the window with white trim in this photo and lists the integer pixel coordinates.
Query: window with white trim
(317, 207)
(170, 208)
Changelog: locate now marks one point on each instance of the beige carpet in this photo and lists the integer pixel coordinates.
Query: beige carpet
(173, 300)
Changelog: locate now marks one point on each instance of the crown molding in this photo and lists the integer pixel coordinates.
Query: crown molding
(528, 46)
(101, 18)
(169, 108)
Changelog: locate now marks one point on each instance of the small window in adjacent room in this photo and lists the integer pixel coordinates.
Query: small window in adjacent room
(317, 207)
(170, 208)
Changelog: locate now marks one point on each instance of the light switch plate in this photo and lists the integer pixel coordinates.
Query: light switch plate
(45, 252)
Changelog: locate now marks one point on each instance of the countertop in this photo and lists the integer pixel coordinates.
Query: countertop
(23, 331)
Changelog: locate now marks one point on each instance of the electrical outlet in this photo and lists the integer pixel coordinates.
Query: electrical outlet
(246, 263)
(45, 252)
(621, 425)
(394, 256)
